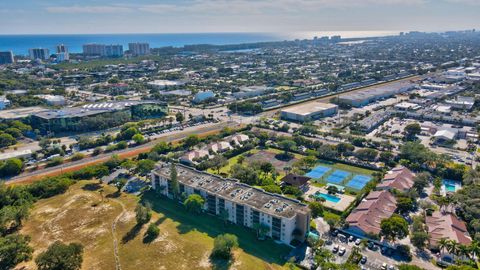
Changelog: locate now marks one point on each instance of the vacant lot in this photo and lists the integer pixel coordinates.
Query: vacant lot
(185, 241)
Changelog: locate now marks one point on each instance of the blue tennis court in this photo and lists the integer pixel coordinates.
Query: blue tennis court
(337, 177)
(317, 172)
(359, 181)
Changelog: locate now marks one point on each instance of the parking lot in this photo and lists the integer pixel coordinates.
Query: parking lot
(374, 257)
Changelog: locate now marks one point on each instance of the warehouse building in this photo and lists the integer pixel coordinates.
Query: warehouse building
(309, 112)
(287, 219)
(369, 95)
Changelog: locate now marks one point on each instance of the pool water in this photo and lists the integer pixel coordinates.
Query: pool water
(328, 197)
(450, 187)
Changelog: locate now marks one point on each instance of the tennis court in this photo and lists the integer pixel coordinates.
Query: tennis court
(337, 177)
(317, 172)
(359, 181)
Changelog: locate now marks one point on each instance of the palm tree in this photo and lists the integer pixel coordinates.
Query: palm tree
(464, 251)
(475, 249)
(452, 247)
(442, 244)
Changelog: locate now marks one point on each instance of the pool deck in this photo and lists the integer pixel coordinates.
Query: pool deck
(345, 200)
(457, 184)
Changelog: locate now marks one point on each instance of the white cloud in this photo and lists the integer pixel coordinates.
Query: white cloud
(90, 9)
(246, 7)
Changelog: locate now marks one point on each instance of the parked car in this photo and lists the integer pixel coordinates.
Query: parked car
(335, 249)
(351, 238)
(384, 266)
(358, 241)
(363, 260)
(342, 251)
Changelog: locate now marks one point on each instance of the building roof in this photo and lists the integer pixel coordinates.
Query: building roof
(399, 178)
(445, 134)
(446, 226)
(20, 112)
(90, 109)
(295, 179)
(307, 109)
(234, 190)
(368, 215)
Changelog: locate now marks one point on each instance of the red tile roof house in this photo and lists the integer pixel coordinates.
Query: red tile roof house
(399, 178)
(446, 226)
(366, 218)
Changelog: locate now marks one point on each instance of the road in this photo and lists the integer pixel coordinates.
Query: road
(129, 152)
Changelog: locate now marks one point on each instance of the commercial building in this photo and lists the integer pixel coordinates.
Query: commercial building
(366, 218)
(53, 100)
(39, 54)
(139, 48)
(96, 116)
(365, 97)
(287, 219)
(20, 113)
(6, 58)
(308, 112)
(203, 96)
(163, 84)
(251, 91)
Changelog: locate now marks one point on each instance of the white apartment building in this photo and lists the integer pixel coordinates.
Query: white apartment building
(287, 219)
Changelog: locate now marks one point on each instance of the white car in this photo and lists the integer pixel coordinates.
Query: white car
(357, 242)
(342, 251)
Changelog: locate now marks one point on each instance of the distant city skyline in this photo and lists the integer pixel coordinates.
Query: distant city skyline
(204, 16)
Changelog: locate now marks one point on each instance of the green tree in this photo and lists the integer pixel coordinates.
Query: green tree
(60, 256)
(409, 267)
(191, 141)
(6, 140)
(194, 203)
(316, 208)
(179, 117)
(120, 183)
(421, 181)
(77, 156)
(138, 138)
(287, 145)
(152, 232)
(10, 167)
(145, 166)
(223, 246)
(412, 130)
(174, 180)
(419, 239)
(14, 249)
(394, 227)
(405, 204)
(143, 214)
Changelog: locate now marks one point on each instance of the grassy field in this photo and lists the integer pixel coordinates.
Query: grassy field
(185, 240)
(256, 155)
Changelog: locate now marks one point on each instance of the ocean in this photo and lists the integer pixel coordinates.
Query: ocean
(20, 44)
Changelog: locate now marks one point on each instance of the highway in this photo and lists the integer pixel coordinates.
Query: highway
(205, 130)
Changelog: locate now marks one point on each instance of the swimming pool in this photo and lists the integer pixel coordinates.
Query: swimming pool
(328, 197)
(450, 185)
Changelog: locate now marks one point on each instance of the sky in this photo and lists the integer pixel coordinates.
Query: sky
(202, 16)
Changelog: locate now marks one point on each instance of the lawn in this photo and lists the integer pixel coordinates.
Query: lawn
(257, 155)
(185, 241)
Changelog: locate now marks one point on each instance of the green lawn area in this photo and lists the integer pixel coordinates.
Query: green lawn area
(234, 160)
(211, 226)
(185, 240)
